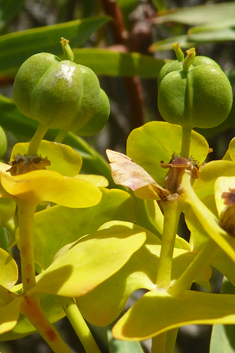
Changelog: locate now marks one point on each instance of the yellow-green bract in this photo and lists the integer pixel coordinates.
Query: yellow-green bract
(59, 93)
(198, 97)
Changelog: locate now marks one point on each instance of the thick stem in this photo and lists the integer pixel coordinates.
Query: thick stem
(172, 212)
(36, 140)
(25, 217)
(31, 308)
(202, 259)
(79, 324)
(185, 144)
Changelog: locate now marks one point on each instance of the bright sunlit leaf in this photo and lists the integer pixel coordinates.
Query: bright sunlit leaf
(157, 312)
(53, 312)
(139, 272)
(157, 141)
(90, 261)
(207, 219)
(204, 185)
(8, 270)
(9, 314)
(65, 225)
(63, 158)
(46, 185)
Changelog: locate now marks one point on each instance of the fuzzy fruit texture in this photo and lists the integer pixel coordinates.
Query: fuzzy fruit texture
(199, 96)
(58, 93)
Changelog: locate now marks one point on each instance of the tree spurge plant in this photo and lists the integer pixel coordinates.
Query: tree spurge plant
(85, 248)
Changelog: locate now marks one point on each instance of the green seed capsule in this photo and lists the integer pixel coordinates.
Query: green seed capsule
(194, 93)
(99, 119)
(58, 93)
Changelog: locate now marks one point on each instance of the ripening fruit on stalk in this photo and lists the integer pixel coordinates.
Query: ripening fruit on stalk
(193, 92)
(60, 94)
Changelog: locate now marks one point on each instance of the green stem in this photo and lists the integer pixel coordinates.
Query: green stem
(201, 260)
(178, 52)
(61, 135)
(25, 217)
(191, 53)
(31, 308)
(36, 140)
(172, 212)
(186, 140)
(79, 324)
(66, 49)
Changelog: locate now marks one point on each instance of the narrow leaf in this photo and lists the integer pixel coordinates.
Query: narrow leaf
(113, 63)
(199, 14)
(16, 47)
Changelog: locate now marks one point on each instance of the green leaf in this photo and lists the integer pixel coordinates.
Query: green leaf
(142, 320)
(204, 185)
(212, 13)
(198, 236)
(52, 310)
(166, 44)
(8, 270)
(223, 336)
(9, 314)
(222, 35)
(117, 346)
(16, 47)
(157, 141)
(47, 185)
(79, 269)
(8, 9)
(65, 225)
(207, 219)
(63, 158)
(231, 149)
(139, 272)
(113, 63)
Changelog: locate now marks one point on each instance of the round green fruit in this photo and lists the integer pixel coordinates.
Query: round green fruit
(99, 119)
(58, 93)
(194, 95)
